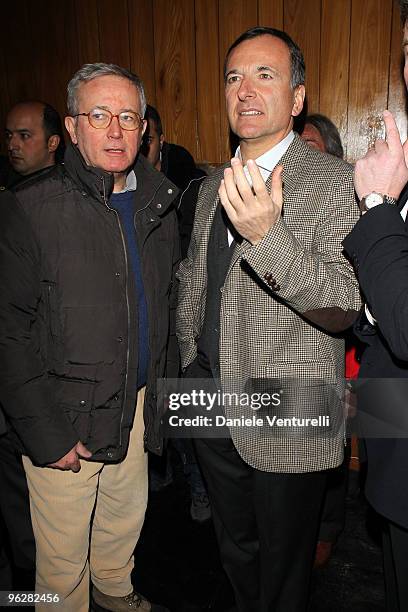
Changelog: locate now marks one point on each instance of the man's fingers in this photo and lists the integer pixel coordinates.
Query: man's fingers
(82, 451)
(393, 137)
(230, 189)
(379, 146)
(71, 461)
(75, 466)
(229, 209)
(257, 181)
(405, 150)
(241, 181)
(276, 187)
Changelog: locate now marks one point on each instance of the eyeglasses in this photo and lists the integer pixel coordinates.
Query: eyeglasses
(100, 118)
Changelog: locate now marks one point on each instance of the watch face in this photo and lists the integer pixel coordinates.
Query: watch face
(373, 199)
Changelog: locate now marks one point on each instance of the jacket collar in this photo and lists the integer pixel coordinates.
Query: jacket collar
(19, 182)
(97, 183)
(154, 190)
(292, 161)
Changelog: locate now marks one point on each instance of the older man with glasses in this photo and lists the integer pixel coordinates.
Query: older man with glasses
(88, 255)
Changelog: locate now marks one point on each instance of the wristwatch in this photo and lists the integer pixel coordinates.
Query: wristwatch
(374, 199)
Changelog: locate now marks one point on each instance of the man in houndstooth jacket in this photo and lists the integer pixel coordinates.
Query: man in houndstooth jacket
(263, 291)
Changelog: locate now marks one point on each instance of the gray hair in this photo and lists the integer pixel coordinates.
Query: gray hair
(88, 72)
(329, 133)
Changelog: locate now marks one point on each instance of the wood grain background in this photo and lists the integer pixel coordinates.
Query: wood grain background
(352, 50)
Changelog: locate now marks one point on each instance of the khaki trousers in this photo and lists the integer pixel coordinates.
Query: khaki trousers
(89, 523)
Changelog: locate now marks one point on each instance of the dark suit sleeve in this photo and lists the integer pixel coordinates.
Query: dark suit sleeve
(378, 247)
(26, 393)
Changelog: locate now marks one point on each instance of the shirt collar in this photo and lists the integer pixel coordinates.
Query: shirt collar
(267, 161)
(131, 182)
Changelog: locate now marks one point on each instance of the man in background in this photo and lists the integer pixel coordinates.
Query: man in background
(34, 139)
(320, 133)
(35, 143)
(179, 166)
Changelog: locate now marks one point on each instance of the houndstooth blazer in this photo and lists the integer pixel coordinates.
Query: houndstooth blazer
(266, 332)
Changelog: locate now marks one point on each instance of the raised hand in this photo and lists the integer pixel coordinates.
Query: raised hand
(384, 168)
(251, 210)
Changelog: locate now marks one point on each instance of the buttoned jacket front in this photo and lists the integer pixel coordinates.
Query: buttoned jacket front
(282, 300)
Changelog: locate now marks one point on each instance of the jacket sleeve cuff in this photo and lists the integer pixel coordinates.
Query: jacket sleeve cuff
(43, 449)
(382, 221)
(266, 257)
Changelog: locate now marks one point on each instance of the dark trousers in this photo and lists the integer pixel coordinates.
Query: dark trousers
(161, 468)
(15, 505)
(266, 526)
(333, 514)
(395, 551)
(6, 576)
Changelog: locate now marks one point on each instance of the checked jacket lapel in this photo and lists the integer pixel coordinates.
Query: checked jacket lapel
(291, 162)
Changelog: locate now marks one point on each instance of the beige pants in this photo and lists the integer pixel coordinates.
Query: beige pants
(70, 543)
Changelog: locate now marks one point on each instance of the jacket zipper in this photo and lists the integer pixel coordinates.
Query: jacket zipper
(50, 313)
(142, 246)
(127, 305)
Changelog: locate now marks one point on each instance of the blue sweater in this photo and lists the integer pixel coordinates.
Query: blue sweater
(123, 204)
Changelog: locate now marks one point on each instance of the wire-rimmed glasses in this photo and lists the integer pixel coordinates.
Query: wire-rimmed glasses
(101, 118)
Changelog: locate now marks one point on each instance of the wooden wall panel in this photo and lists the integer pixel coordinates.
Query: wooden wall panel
(369, 67)
(397, 94)
(352, 50)
(208, 81)
(302, 22)
(270, 14)
(18, 40)
(334, 63)
(51, 84)
(175, 70)
(4, 96)
(87, 27)
(235, 16)
(113, 20)
(141, 40)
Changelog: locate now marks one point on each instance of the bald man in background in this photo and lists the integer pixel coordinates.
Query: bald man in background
(34, 139)
(35, 143)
